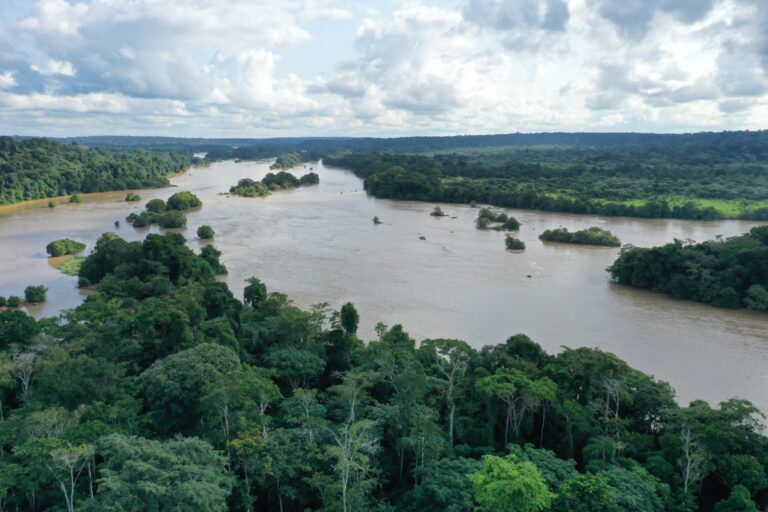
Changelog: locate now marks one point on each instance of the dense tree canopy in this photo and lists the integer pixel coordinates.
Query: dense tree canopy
(163, 390)
(729, 273)
(40, 168)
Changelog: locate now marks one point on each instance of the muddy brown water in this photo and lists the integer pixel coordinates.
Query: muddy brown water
(319, 244)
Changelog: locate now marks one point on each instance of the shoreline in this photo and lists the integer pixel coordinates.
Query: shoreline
(60, 200)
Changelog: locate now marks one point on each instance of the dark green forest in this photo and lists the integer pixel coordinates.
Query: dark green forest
(40, 168)
(163, 391)
(614, 182)
(729, 273)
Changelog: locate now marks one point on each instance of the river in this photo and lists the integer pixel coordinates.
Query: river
(318, 244)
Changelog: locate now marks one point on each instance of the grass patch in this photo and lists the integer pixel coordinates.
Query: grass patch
(71, 265)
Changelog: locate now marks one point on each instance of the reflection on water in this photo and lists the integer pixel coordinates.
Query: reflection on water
(319, 244)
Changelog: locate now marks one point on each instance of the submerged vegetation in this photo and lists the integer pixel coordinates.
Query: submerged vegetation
(71, 265)
(162, 376)
(731, 273)
(589, 236)
(247, 187)
(514, 244)
(489, 219)
(168, 214)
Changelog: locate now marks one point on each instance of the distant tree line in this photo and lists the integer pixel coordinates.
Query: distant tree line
(616, 188)
(40, 168)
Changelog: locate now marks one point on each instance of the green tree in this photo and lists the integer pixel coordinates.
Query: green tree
(35, 294)
(738, 501)
(506, 485)
(349, 318)
(205, 232)
(139, 474)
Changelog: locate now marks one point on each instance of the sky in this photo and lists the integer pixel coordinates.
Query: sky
(255, 68)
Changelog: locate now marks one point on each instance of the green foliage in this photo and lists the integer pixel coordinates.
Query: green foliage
(75, 198)
(437, 212)
(514, 244)
(589, 236)
(290, 159)
(726, 273)
(40, 168)
(166, 219)
(247, 187)
(174, 387)
(311, 178)
(155, 206)
(63, 247)
(132, 197)
(623, 177)
(13, 301)
(71, 265)
(3, 301)
(16, 327)
(738, 501)
(179, 474)
(286, 180)
(205, 232)
(197, 401)
(349, 318)
(35, 294)
(183, 201)
(504, 484)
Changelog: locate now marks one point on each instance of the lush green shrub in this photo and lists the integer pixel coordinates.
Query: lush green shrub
(205, 232)
(247, 187)
(156, 206)
(183, 201)
(51, 204)
(514, 244)
(13, 301)
(511, 224)
(589, 236)
(280, 180)
(437, 212)
(63, 247)
(309, 179)
(172, 219)
(132, 196)
(75, 198)
(35, 294)
(3, 301)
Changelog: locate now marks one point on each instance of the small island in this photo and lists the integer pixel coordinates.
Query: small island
(205, 232)
(499, 221)
(589, 236)
(514, 244)
(290, 159)
(168, 214)
(438, 212)
(247, 187)
(64, 247)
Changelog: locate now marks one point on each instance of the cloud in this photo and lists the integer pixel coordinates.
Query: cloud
(7, 79)
(51, 67)
(335, 66)
(633, 18)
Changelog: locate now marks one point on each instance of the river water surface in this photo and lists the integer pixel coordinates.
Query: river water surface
(319, 244)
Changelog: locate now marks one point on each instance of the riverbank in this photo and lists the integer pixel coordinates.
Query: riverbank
(317, 244)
